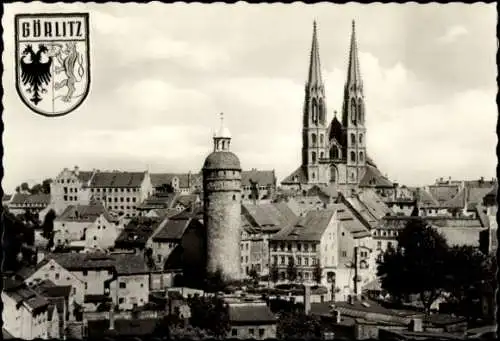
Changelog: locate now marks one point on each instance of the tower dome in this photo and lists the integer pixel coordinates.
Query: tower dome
(222, 158)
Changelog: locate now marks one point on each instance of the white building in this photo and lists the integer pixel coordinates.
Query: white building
(90, 223)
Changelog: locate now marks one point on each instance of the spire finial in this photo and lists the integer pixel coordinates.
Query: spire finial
(335, 113)
(221, 118)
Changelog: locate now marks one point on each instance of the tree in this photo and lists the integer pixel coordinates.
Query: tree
(46, 186)
(36, 189)
(48, 224)
(210, 314)
(274, 273)
(291, 269)
(214, 282)
(469, 274)
(417, 265)
(297, 325)
(25, 187)
(317, 273)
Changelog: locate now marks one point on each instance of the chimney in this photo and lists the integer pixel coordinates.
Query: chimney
(307, 299)
(416, 325)
(111, 317)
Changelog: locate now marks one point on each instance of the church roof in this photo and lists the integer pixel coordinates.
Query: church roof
(314, 64)
(222, 160)
(335, 132)
(353, 71)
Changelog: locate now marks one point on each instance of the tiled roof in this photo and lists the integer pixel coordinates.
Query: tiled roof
(350, 223)
(457, 201)
(136, 233)
(475, 195)
(84, 176)
(158, 200)
(186, 200)
(309, 228)
(373, 178)
(84, 213)
(117, 179)
(425, 199)
(241, 313)
(123, 264)
(122, 328)
(25, 199)
(444, 192)
(269, 217)
(173, 229)
(159, 179)
(373, 203)
(6, 197)
(297, 177)
(461, 235)
(47, 288)
(262, 177)
(36, 302)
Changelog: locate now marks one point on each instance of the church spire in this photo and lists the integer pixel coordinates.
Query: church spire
(314, 63)
(353, 73)
(222, 138)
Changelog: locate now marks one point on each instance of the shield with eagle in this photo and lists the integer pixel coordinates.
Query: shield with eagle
(52, 61)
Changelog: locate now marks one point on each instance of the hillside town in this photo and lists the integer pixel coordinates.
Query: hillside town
(332, 251)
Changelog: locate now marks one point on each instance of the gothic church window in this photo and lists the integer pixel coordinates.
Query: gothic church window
(360, 112)
(313, 154)
(313, 139)
(353, 111)
(353, 156)
(314, 111)
(322, 155)
(361, 156)
(360, 138)
(321, 111)
(321, 139)
(334, 153)
(353, 139)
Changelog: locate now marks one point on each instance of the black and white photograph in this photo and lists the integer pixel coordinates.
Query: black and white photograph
(315, 171)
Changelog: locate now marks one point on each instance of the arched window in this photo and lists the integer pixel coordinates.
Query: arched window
(353, 111)
(313, 175)
(333, 174)
(334, 153)
(360, 112)
(322, 155)
(360, 138)
(321, 111)
(321, 139)
(314, 111)
(353, 156)
(313, 139)
(353, 139)
(313, 156)
(234, 197)
(361, 156)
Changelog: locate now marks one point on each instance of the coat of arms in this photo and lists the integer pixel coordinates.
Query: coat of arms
(52, 61)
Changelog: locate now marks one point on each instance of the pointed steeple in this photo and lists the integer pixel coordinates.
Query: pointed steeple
(314, 63)
(222, 138)
(353, 73)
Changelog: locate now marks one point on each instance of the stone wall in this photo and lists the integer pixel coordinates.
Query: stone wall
(222, 200)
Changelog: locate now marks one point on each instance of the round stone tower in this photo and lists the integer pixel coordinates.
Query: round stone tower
(222, 207)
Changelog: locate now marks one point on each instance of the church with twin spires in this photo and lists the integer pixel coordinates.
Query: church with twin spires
(334, 153)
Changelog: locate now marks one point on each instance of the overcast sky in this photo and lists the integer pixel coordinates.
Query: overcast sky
(162, 73)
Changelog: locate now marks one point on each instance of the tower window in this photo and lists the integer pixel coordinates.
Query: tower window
(234, 197)
(313, 139)
(360, 138)
(334, 153)
(322, 155)
(360, 112)
(314, 111)
(321, 111)
(353, 139)
(321, 139)
(313, 154)
(361, 156)
(353, 156)
(353, 111)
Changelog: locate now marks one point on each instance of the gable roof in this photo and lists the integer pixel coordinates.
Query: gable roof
(173, 229)
(374, 178)
(84, 213)
(262, 177)
(174, 259)
(30, 199)
(251, 312)
(350, 222)
(159, 179)
(297, 177)
(444, 192)
(309, 228)
(48, 288)
(117, 179)
(158, 200)
(137, 233)
(269, 217)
